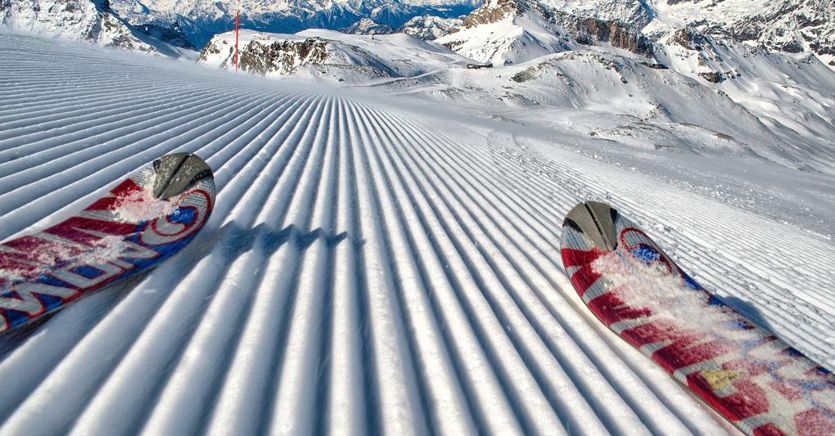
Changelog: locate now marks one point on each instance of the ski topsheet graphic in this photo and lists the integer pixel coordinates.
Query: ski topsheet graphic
(145, 219)
(755, 380)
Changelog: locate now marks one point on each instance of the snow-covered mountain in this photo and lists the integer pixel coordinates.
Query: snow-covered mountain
(789, 26)
(329, 55)
(209, 17)
(512, 31)
(71, 19)
(772, 106)
(169, 26)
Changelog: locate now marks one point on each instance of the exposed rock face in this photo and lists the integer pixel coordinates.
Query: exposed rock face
(791, 26)
(264, 55)
(72, 19)
(492, 11)
(171, 34)
(282, 56)
(591, 31)
(788, 26)
(712, 76)
(325, 57)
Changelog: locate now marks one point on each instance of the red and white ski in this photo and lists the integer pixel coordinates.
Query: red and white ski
(752, 378)
(145, 219)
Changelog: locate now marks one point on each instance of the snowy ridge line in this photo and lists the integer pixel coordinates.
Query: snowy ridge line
(367, 268)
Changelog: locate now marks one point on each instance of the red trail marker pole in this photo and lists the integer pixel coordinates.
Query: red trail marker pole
(237, 26)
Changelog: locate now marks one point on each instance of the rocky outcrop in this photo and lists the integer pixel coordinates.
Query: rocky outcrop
(804, 27)
(593, 31)
(282, 56)
(264, 55)
(492, 11)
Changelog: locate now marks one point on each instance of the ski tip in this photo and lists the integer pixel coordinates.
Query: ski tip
(176, 172)
(596, 221)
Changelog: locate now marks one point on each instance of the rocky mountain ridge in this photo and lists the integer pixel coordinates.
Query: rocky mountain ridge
(508, 31)
(327, 55)
(517, 30)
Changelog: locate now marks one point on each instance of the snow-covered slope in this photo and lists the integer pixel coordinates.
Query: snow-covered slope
(372, 264)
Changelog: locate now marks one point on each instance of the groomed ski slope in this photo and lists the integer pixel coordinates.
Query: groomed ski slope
(369, 266)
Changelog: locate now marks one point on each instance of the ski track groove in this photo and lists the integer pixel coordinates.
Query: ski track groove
(366, 270)
(543, 367)
(450, 177)
(473, 368)
(616, 375)
(412, 298)
(347, 385)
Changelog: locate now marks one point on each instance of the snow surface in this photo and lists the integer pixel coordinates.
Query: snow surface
(372, 263)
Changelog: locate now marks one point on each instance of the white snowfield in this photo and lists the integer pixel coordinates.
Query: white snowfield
(372, 264)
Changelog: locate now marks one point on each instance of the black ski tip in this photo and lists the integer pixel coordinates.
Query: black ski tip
(176, 172)
(596, 221)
